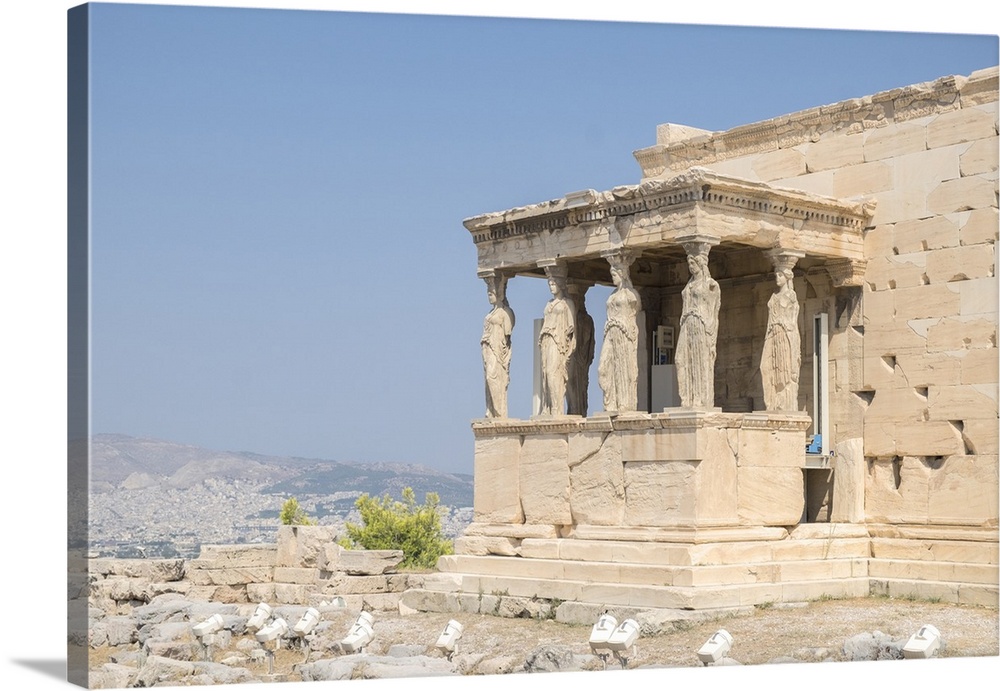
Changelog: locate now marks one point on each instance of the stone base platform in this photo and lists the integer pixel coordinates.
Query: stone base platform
(708, 570)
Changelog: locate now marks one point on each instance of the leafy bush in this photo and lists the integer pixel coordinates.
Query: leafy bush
(389, 524)
(293, 514)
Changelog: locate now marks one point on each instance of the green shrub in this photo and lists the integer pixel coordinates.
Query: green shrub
(389, 524)
(293, 514)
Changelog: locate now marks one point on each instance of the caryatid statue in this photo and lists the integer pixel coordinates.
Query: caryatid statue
(556, 342)
(781, 359)
(497, 327)
(618, 369)
(583, 354)
(699, 329)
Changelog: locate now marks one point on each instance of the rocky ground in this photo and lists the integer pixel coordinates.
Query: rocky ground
(153, 645)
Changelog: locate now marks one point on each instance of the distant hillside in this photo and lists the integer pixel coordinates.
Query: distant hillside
(122, 462)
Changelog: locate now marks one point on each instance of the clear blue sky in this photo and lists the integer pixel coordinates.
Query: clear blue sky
(279, 262)
(33, 213)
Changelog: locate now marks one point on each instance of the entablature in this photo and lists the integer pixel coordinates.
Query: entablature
(654, 216)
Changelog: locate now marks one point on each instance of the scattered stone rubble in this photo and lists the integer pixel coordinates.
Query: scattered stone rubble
(142, 616)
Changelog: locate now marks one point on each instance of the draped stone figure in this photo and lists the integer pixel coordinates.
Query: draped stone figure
(556, 342)
(696, 338)
(618, 369)
(782, 357)
(583, 354)
(497, 327)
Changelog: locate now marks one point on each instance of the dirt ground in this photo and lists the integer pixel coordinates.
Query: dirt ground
(810, 633)
(776, 631)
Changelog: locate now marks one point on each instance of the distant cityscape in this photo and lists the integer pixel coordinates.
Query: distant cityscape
(150, 515)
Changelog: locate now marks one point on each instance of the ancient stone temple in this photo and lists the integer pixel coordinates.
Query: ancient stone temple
(799, 369)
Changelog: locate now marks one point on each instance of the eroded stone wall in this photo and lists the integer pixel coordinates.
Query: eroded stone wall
(913, 351)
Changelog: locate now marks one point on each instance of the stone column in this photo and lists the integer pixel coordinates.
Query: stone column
(495, 343)
(781, 359)
(583, 354)
(699, 327)
(618, 370)
(557, 340)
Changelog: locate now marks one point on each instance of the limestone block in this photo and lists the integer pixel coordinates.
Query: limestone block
(978, 595)
(978, 297)
(897, 271)
(539, 548)
(923, 369)
(931, 233)
(741, 167)
(430, 601)
(834, 152)
(935, 550)
(363, 562)
(232, 576)
(981, 157)
(896, 404)
(446, 581)
(658, 493)
(495, 494)
(716, 485)
(148, 569)
(962, 333)
(544, 479)
(304, 545)
(879, 241)
(863, 179)
(769, 447)
(978, 226)
(478, 545)
(219, 593)
(291, 594)
(957, 126)
(879, 307)
(817, 183)
(770, 496)
(981, 88)
(916, 176)
(260, 592)
(940, 300)
(980, 436)
(894, 140)
(962, 194)
(896, 490)
(225, 556)
(784, 163)
(350, 585)
(597, 479)
(964, 490)
(960, 263)
(848, 482)
(291, 574)
(880, 438)
(730, 553)
(963, 402)
(930, 438)
(662, 445)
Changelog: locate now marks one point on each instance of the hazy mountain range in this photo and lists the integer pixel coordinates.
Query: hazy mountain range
(124, 462)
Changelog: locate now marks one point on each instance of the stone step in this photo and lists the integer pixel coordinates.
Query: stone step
(921, 570)
(479, 587)
(642, 574)
(936, 550)
(730, 553)
(980, 595)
